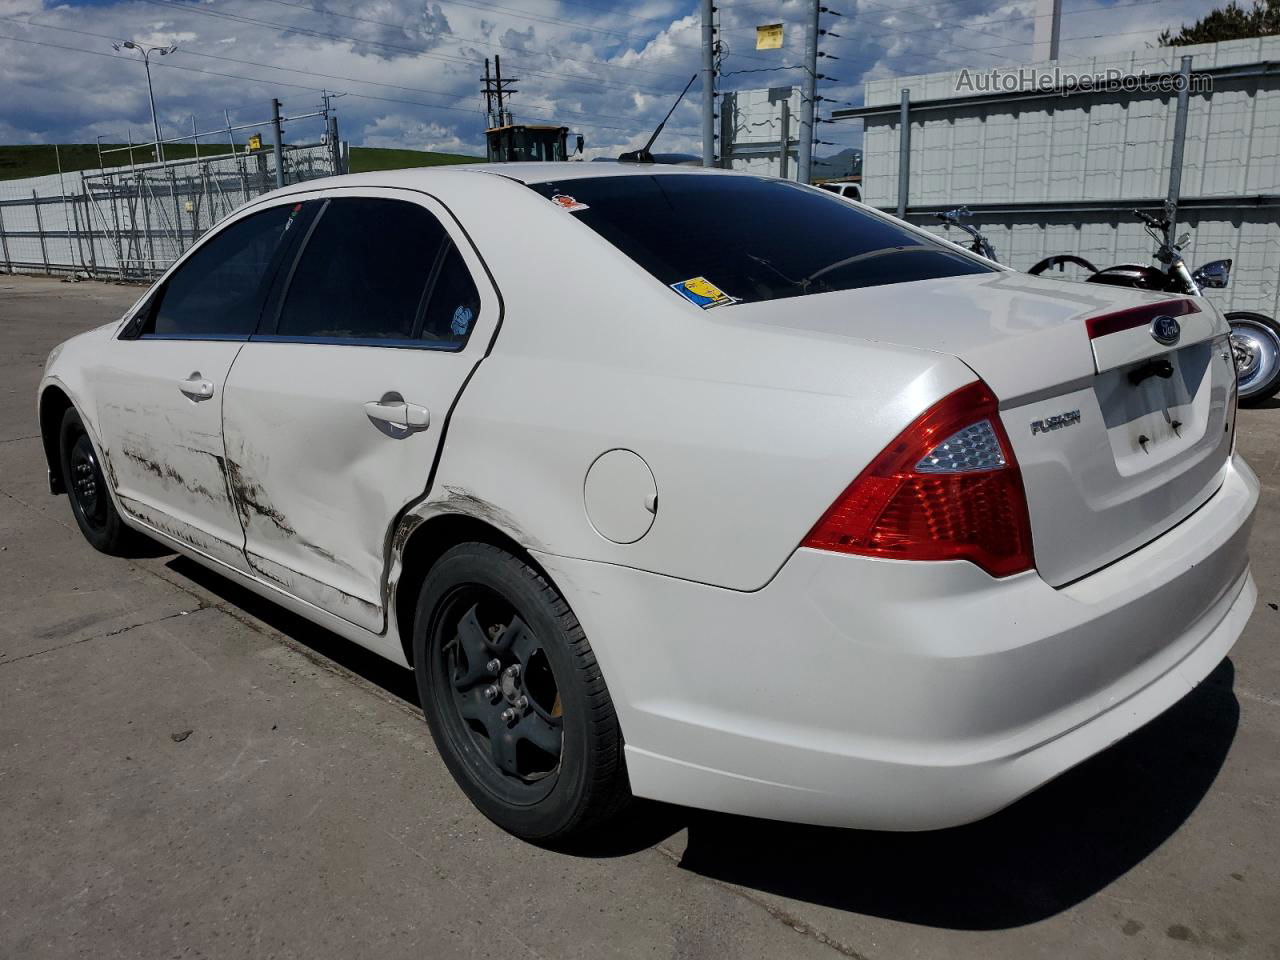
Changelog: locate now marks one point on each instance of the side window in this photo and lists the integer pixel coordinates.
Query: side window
(367, 274)
(454, 303)
(220, 289)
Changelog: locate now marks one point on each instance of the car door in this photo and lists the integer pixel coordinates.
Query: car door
(333, 413)
(161, 385)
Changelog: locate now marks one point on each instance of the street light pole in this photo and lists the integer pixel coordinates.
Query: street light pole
(146, 64)
(151, 95)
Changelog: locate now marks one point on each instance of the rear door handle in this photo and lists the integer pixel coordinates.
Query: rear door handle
(196, 387)
(400, 415)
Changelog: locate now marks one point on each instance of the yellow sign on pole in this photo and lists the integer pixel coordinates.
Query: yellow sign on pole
(255, 142)
(769, 37)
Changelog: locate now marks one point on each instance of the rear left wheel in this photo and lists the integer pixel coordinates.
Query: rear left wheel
(514, 697)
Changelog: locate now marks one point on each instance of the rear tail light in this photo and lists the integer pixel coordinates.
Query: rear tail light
(947, 488)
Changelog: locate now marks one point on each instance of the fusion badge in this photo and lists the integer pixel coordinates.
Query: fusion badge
(1056, 422)
(1165, 330)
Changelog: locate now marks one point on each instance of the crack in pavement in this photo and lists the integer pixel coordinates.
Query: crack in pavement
(336, 669)
(33, 436)
(781, 916)
(102, 636)
(36, 511)
(1255, 696)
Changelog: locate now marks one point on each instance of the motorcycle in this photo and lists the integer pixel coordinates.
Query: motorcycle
(1255, 337)
(978, 243)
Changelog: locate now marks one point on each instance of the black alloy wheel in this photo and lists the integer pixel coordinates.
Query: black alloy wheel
(514, 697)
(91, 503)
(503, 692)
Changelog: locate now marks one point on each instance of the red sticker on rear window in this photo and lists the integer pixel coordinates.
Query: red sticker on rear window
(568, 203)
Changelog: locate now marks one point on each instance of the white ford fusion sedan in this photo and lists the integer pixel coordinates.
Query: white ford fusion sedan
(683, 484)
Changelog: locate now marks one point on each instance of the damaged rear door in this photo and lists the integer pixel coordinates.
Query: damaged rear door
(161, 384)
(334, 411)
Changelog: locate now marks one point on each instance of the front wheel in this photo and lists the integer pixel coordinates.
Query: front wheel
(95, 514)
(1255, 343)
(514, 697)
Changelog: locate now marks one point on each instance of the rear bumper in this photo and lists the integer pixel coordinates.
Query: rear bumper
(906, 696)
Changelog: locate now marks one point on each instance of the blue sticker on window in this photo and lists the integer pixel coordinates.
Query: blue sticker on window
(462, 318)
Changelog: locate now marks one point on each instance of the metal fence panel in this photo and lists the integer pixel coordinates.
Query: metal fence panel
(1075, 164)
(131, 222)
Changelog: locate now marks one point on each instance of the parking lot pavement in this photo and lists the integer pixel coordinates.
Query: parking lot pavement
(188, 770)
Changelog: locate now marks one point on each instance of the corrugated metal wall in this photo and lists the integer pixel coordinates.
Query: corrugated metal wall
(752, 119)
(1106, 147)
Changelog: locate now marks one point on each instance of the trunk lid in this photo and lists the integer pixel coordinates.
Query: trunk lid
(1119, 435)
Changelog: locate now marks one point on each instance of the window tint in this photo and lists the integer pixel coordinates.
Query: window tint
(753, 238)
(454, 304)
(219, 290)
(366, 275)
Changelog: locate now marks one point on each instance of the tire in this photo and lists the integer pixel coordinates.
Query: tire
(1060, 260)
(91, 502)
(1255, 343)
(535, 742)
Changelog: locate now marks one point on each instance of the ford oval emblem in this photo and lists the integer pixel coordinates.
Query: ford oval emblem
(1165, 330)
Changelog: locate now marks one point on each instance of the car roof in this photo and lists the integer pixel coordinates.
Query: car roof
(521, 172)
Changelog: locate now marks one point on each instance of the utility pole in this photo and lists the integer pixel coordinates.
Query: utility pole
(490, 118)
(497, 74)
(278, 136)
(1179, 145)
(504, 115)
(335, 144)
(496, 90)
(1047, 30)
(331, 129)
(708, 84)
(809, 96)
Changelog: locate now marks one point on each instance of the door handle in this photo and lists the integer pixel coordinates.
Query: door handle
(196, 387)
(406, 417)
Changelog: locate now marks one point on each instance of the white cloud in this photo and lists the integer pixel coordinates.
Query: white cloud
(413, 76)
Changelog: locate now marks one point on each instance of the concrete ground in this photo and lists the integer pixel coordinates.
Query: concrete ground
(186, 770)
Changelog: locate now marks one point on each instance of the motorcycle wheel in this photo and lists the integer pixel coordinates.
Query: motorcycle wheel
(1060, 260)
(1255, 343)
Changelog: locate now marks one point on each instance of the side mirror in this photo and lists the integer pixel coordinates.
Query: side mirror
(581, 143)
(1214, 275)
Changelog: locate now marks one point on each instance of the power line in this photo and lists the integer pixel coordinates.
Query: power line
(327, 76)
(1022, 20)
(578, 24)
(488, 43)
(297, 86)
(287, 28)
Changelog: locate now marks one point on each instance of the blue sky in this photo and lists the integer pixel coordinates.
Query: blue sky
(411, 70)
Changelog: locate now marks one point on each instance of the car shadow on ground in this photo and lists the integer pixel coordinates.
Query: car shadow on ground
(1044, 854)
(1041, 856)
(392, 678)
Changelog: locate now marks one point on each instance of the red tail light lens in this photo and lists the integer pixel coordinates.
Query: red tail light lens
(947, 488)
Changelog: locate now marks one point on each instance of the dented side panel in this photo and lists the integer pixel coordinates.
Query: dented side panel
(318, 483)
(165, 454)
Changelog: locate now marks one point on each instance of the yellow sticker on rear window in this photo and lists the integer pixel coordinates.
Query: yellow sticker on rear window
(703, 293)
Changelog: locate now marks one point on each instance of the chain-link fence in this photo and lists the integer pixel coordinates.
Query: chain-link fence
(131, 222)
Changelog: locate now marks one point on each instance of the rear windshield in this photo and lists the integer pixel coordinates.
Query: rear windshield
(720, 240)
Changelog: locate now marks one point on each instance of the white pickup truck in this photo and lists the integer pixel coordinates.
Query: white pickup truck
(850, 191)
